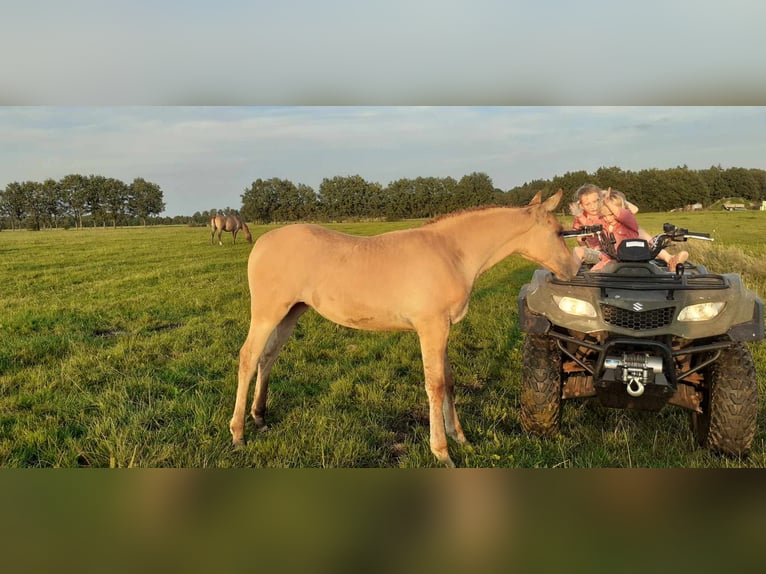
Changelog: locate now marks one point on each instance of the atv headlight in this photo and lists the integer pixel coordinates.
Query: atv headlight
(575, 306)
(701, 311)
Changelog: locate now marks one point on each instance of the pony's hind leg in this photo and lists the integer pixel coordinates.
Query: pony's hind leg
(451, 422)
(277, 340)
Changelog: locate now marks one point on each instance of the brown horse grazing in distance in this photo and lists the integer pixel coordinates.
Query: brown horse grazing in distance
(413, 280)
(232, 223)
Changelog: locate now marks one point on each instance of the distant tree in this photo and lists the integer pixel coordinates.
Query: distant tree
(94, 202)
(473, 190)
(683, 187)
(570, 182)
(436, 195)
(115, 196)
(718, 187)
(759, 176)
(351, 196)
(742, 183)
(616, 178)
(399, 199)
(14, 202)
(35, 205)
(144, 199)
(305, 202)
(74, 189)
(653, 187)
(278, 200)
(51, 201)
(522, 194)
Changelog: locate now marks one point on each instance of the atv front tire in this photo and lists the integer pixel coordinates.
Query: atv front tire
(730, 404)
(540, 386)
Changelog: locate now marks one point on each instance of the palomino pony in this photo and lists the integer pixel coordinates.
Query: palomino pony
(232, 223)
(412, 280)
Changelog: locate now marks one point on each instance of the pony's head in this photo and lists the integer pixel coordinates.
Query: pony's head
(247, 233)
(546, 246)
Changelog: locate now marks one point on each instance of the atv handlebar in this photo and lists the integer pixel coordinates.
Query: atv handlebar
(584, 231)
(669, 234)
(672, 233)
(681, 234)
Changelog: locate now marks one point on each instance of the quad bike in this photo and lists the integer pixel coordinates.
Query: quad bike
(638, 335)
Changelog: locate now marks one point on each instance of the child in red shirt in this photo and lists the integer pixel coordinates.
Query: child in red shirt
(587, 210)
(589, 206)
(617, 220)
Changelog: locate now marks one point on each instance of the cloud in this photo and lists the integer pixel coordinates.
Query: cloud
(204, 155)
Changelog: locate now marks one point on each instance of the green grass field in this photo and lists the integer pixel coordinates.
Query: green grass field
(119, 347)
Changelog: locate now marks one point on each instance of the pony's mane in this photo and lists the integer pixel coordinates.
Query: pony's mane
(468, 210)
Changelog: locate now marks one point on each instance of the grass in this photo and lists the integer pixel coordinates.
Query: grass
(119, 348)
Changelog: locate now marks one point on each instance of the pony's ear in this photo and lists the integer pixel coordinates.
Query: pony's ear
(536, 199)
(552, 202)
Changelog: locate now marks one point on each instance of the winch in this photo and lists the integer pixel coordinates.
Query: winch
(635, 370)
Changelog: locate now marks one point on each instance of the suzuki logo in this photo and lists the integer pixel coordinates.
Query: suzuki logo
(637, 306)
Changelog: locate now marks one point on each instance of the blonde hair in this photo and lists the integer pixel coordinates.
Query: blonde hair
(618, 198)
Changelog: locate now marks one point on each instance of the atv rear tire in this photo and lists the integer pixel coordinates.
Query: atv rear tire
(540, 386)
(730, 405)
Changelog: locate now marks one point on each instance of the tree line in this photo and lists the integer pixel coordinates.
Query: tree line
(343, 198)
(78, 200)
(658, 189)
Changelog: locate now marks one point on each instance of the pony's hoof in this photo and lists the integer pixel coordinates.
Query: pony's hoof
(460, 439)
(263, 428)
(445, 460)
(238, 442)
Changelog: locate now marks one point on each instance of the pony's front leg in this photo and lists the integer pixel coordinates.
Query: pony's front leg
(451, 421)
(433, 344)
(249, 356)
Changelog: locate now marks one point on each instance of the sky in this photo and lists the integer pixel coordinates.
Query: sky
(205, 157)
(203, 97)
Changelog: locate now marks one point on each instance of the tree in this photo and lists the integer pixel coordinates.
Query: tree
(15, 203)
(760, 178)
(278, 200)
(684, 187)
(94, 203)
(33, 195)
(571, 180)
(74, 190)
(51, 201)
(144, 199)
(742, 183)
(352, 196)
(115, 195)
(399, 199)
(473, 190)
(521, 195)
(718, 187)
(261, 202)
(652, 190)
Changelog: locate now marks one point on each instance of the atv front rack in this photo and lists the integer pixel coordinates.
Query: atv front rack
(640, 279)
